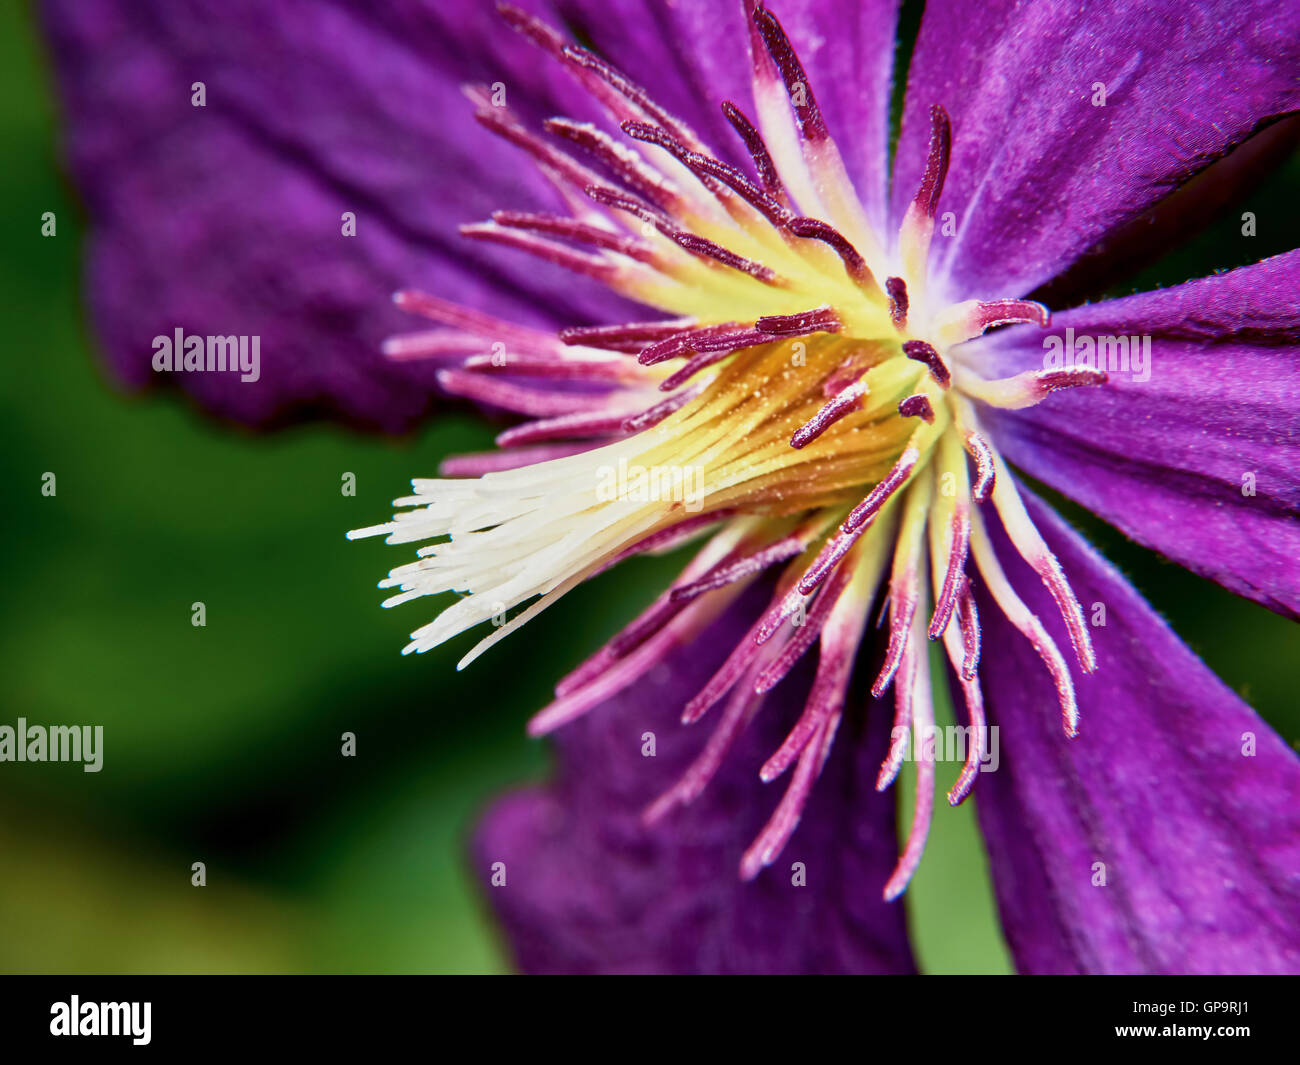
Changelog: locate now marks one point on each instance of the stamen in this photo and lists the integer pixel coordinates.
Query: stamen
(741, 709)
(469, 320)
(579, 231)
(858, 521)
(1027, 540)
(561, 365)
(635, 95)
(574, 173)
(922, 726)
(901, 659)
(815, 229)
(433, 344)
(1031, 387)
(625, 164)
(684, 342)
(896, 288)
(598, 423)
(924, 353)
(600, 336)
(1013, 607)
(985, 470)
(804, 634)
(785, 819)
(691, 242)
(976, 736)
(713, 349)
(797, 87)
(758, 152)
(936, 164)
(959, 544)
(818, 320)
(737, 569)
(845, 402)
(965, 321)
(711, 171)
(917, 406)
(652, 416)
(969, 621)
(915, 233)
(839, 645)
(529, 401)
(602, 270)
(903, 598)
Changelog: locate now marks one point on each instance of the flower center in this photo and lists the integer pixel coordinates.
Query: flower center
(807, 399)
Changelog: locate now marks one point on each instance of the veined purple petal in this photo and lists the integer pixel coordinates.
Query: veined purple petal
(1070, 120)
(1202, 460)
(1166, 836)
(227, 219)
(590, 888)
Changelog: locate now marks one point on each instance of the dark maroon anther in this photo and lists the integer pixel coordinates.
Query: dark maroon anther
(684, 342)
(936, 164)
(846, 402)
(691, 242)
(757, 151)
(633, 205)
(620, 160)
(924, 353)
(917, 406)
(817, 320)
(985, 468)
(617, 337)
(896, 289)
(628, 89)
(858, 522)
(815, 229)
(864, 513)
(796, 81)
(557, 226)
(711, 171)
(710, 350)
(706, 249)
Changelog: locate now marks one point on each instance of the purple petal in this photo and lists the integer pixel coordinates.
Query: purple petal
(1198, 841)
(1039, 173)
(590, 889)
(1202, 461)
(227, 219)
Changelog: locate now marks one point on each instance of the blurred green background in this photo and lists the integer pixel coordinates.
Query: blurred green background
(222, 742)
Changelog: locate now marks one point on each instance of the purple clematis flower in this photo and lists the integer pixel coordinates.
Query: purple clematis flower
(780, 349)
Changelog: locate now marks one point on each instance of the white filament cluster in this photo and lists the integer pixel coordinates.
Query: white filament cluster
(511, 536)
